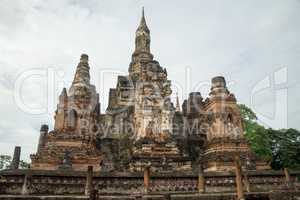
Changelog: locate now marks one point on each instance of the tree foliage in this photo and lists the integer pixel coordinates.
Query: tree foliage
(24, 165)
(285, 148)
(5, 162)
(256, 134)
(280, 147)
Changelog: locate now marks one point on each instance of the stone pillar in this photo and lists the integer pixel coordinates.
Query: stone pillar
(288, 180)
(201, 182)
(146, 178)
(246, 182)
(26, 183)
(43, 132)
(238, 180)
(16, 158)
(89, 181)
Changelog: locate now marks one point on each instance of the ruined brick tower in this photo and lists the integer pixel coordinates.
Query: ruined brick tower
(225, 136)
(72, 143)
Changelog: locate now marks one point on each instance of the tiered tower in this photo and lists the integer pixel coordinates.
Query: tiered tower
(143, 99)
(72, 142)
(153, 109)
(225, 135)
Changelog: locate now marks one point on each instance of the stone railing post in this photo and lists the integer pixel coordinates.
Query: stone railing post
(239, 183)
(16, 158)
(26, 183)
(288, 179)
(89, 181)
(246, 181)
(201, 182)
(146, 178)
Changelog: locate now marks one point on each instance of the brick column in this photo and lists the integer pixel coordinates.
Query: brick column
(16, 158)
(238, 180)
(146, 179)
(201, 182)
(89, 181)
(43, 132)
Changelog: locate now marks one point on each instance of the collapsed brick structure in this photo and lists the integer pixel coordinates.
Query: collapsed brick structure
(205, 133)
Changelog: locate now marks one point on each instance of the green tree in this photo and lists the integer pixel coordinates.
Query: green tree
(5, 161)
(285, 148)
(256, 134)
(281, 147)
(24, 165)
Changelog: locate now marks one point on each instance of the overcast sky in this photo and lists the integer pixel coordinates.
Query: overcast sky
(255, 44)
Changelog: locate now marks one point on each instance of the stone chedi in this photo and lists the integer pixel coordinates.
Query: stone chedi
(72, 142)
(141, 127)
(220, 116)
(143, 99)
(225, 136)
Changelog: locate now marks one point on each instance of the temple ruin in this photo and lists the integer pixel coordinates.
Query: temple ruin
(143, 144)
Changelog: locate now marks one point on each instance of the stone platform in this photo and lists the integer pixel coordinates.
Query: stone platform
(39, 197)
(279, 195)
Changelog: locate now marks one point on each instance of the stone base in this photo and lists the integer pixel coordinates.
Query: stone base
(220, 154)
(160, 157)
(275, 195)
(38, 197)
(75, 166)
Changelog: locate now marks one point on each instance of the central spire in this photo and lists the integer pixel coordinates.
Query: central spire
(142, 51)
(143, 25)
(142, 36)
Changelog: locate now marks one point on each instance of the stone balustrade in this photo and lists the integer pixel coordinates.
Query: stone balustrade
(73, 182)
